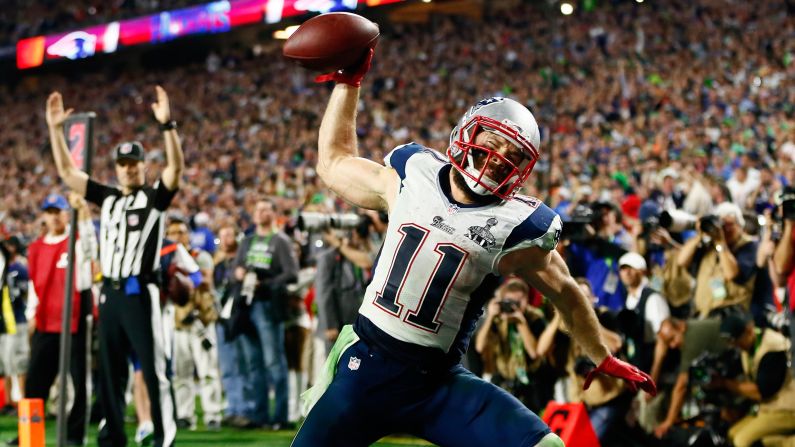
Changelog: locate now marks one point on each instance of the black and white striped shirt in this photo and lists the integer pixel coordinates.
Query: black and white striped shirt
(131, 229)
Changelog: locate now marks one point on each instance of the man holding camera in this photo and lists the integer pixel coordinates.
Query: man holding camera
(195, 345)
(722, 257)
(769, 381)
(784, 256)
(341, 280)
(507, 342)
(692, 338)
(266, 260)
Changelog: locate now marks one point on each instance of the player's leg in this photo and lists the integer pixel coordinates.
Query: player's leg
(468, 411)
(355, 409)
(144, 326)
(114, 350)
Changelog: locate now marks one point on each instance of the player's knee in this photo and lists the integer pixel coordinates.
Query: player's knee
(550, 440)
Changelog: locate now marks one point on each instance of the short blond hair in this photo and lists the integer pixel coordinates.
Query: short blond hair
(514, 284)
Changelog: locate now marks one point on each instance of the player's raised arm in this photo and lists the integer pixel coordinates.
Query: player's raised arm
(74, 178)
(360, 181)
(175, 161)
(548, 273)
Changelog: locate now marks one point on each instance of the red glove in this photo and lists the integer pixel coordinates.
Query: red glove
(617, 368)
(351, 76)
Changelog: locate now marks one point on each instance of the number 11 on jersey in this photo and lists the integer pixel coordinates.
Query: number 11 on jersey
(450, 260)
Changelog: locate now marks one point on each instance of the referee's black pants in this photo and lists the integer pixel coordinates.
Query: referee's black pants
(42, 370)
(132, 323)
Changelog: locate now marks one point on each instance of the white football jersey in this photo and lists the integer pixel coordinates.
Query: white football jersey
(437, 255)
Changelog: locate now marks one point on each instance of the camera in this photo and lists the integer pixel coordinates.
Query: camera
(709, 223)
(676, 221)
(708, 365)
(650, 225)
(574, 228)
(787, 200)
(711, 430)
(314, 222)
(507, 306)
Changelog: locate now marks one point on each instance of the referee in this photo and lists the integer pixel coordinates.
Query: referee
(131, 231)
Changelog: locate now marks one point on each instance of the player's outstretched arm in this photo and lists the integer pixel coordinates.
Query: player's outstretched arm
(547, 272)
(360, 181)
(175, 160)
(74, 178)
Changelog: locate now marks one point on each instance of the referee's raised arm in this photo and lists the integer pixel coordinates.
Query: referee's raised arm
(175, 161)
(74, 178)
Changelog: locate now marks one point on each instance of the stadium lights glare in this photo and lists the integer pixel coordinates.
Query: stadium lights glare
(639, 1)
(566, 8)
(427, 1)
(284, 34)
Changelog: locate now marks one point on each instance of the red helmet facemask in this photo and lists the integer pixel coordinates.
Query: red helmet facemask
(504, 176)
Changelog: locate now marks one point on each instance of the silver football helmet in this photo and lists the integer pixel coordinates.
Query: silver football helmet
(508, 119)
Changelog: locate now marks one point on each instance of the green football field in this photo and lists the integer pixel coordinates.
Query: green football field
(200, 437)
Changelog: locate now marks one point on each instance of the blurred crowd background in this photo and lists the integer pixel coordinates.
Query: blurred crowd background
(668, 141)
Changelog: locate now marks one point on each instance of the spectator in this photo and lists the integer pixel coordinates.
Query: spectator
(723, 260)
(48, 263)
(14, 347)
(268, 257)
(202, 237)
(230, 350)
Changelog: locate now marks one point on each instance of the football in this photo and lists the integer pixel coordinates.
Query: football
(331, 42)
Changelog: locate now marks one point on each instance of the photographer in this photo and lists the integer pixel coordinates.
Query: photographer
(594, 254)
(195, 343)
(784, 256)
(722, 257)
(769, 381)
(507, 342)
(656, 244)
(692, 338)
(341, 280)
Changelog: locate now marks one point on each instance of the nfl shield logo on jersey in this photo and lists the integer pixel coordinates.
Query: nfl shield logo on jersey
(354, 363)
(132, 220)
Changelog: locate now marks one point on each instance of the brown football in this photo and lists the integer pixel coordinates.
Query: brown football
(331, 42)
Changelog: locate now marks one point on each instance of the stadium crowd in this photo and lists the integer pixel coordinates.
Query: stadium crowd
(668, 147)
(20, 19)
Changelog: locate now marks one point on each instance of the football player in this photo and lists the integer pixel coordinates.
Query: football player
(456, 225)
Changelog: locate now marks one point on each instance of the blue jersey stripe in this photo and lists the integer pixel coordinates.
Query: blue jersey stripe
(400, 156)
(533, 227)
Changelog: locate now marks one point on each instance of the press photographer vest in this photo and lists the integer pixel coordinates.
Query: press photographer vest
(784, 398)
(713, 291)
(639, 352)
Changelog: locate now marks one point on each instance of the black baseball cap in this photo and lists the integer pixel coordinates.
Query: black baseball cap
(130, 150)
(733, 325)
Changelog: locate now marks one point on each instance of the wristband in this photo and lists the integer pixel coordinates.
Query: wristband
(169, 125)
